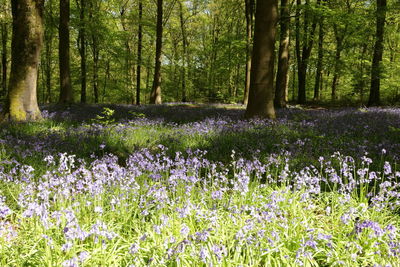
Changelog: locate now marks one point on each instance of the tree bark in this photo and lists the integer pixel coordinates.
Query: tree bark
(335, 80)
(249, 4)
(66, 93)
(283, 57)
(374, 95)
(304, 55)
(27, 41)
(261, 94)
(155, 97)
(82, 48)
(48, 50)
(184, 50)
(318, 73)
(4, 38)
(139, 53)
(95, 54)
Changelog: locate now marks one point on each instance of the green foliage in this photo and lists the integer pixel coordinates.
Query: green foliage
(106, 117)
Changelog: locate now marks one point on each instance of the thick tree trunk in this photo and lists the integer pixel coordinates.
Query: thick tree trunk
(261, 94)
(66, 93)
(82, 48)
(249, 36)
(155, 97)
(374, 95)
(27, 41)
(139, 53)
(4, 38)
(318, 73)
(283, 57)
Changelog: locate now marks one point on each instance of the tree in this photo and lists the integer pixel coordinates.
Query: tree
(66, 93)
(261, 94)
(374, 95)
(249, 6)
(155, 97)
(4, 38)
(139, 53)
(283, 57)
(318, 73)
(82, 47)
(184, 51)
(303, 55)
(27, 40)
(94, 34)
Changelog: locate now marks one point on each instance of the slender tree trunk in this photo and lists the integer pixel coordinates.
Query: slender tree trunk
(261, 94)
(304, 55)
(95, 54)
(155, 97)
(213, 59)
(27, 41)
(335, 80)
(82, 48)
(184, 50)
(139, 53)
(283, 57)
(374, 95)
(148, 75)
(249, 4)
(66, 93)
(106, 78)
(4, 38)
(318, 73)
(48, 66)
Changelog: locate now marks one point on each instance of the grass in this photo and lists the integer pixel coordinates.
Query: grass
(196, 185)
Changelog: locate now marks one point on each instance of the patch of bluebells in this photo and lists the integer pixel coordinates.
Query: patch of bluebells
(187, 205)
(304, 134)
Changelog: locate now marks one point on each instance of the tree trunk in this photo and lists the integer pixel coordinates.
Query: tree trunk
(4, 38)
(335, 80)
(95, 54)
(184, 50)
(139, 53)
(374, 95)
(318, 73)
(249, 36)
(82, 48)
(106, 78)
(155, 97)
(261, 94)
(304, 55)
(27, 41)
(66, 93)
(283, 57)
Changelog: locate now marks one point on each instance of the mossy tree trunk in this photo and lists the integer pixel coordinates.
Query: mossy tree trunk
(27, 41)
(261, 94)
